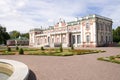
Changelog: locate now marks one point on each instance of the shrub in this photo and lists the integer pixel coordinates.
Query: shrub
(8, 49)
(8, 53)
(61, 48)
(95, 51)
(21, 51)
(42, 48)
(17, 48)
(117, 56)
(63, 54)
(68, 54)
(111, 57)
(101, 58)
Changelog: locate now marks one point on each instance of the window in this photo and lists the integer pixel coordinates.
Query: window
(45, 41)
(63, 39)
(87, 25)
(106, 39)
(73, 39)
(48, 39)
(57, 39)
(109, 38)
(106, 27)
(78, 39)
(101, 38)
(109, 28)
(52, 40)
(88, 38)
(101, 26)
(98, 26)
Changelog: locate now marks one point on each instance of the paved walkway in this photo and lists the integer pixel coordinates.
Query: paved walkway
(78, 67)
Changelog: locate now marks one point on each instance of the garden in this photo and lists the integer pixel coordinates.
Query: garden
(59, 51)
(113, 59)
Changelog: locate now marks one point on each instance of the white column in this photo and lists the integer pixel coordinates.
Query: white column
(75, 40)
(60, 38)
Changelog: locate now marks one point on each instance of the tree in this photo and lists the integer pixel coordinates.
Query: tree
(25, 35)
(3, 35)
(21, 51)
(72, 47)
(42, 48)
(116, 34)
(14, 34)
(61, 48)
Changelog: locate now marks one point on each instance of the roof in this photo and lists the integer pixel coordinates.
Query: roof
(72, 23)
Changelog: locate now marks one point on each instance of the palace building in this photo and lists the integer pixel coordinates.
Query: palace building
(89, 31)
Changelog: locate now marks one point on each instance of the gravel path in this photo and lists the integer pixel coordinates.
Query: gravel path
(78, 67)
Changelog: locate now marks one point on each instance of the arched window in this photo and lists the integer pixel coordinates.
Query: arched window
(88, 38)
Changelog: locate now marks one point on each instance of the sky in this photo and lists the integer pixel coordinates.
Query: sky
(23, 15)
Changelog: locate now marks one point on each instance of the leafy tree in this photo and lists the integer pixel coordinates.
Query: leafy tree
(14, 34)
(8, 49)
(25, 35)
(42, 48)
(17, 48)
(72, 47)
(3, 35)
(61, 48)
(116, 34)
(21, 51)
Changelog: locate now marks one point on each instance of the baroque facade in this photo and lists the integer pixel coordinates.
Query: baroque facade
(89, 31)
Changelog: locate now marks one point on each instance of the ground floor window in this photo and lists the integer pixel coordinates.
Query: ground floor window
(88, 38)
(73, 39)
(63, 40)
(78, 39)
(52, 40)
(109, 38)
(48, 39)
(45, 41)
(101, 38)
(57, 39)
(106, 39)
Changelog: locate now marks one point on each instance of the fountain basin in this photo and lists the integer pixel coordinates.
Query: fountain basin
(16, 70)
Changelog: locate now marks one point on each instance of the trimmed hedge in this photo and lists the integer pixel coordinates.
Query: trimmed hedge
(21, 51)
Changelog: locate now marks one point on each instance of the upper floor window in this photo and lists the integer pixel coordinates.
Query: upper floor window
(109, 28)
(87, 25)
(101, 26)
(106, 26)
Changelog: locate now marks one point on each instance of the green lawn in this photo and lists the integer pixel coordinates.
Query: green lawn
(113, 59)
(48, 52)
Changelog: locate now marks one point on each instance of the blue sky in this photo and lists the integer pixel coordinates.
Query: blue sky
(23, 15)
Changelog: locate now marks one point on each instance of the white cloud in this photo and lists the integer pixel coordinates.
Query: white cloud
(22, 15)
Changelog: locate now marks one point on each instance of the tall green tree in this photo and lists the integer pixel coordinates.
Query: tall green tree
(25, 35)
(14, 34)
(116, 34)
(3, 35)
